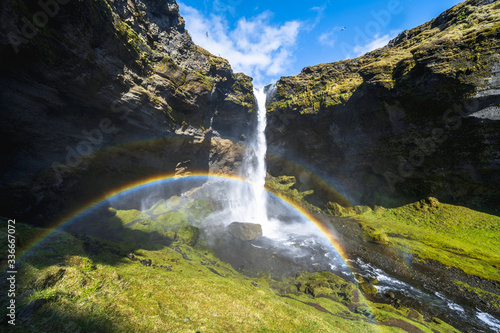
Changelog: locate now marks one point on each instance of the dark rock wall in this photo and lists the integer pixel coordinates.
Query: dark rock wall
(419, 117)
(96, 94)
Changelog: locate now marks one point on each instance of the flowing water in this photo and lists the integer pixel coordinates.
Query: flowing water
(254, 166)
(481, 322)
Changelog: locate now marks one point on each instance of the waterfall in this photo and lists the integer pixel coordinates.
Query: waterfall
(255, 164)
(248, 201)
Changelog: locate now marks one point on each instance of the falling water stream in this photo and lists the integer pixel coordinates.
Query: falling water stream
(255, 166)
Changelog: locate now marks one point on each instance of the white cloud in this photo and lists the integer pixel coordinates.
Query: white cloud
(329, 37)
(319, 16)
(255, 46)
(377, 42)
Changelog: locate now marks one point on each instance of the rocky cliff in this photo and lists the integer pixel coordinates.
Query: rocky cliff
(95, 94)
(418, 117)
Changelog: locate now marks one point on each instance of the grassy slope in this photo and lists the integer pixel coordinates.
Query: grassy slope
(453, 235)
(100, 290)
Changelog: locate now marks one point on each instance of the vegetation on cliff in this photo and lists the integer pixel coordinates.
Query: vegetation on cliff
(416, 118)
(467, 34)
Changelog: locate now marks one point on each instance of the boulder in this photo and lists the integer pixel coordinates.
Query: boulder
(245, 231)
(146, 262)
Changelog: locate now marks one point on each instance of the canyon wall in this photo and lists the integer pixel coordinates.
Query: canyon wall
(96, 94)
(419, 117)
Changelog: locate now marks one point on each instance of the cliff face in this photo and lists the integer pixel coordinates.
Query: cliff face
(95, 94)
(418, 117)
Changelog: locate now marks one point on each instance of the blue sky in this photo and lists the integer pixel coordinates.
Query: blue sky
(270, 39)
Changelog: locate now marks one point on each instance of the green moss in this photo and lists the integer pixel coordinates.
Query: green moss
(129, 216)
(336, 209)
(198, 210)
(188, 235)
(136, 46)
(242, 91)
(378, 238)
(282, 186)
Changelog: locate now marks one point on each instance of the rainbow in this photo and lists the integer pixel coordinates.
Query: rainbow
(166, 178)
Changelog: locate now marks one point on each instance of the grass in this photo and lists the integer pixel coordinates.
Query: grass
(453, 235)
(78, 289)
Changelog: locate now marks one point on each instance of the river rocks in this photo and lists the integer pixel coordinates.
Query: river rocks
(245, 231)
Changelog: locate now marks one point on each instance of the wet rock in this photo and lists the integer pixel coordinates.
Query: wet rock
(110, 83)
(245, 231)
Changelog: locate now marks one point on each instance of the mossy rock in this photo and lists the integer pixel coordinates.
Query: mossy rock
(379, 210)
(364, 310)
(335, 209)
(378, 238)
(173, 201)
(111, 211)
(199, 209)
(368, 288)
(324, 284)
(159, 208)
(172, 220)
(170, 235)
(414, 314)
(428, 204)
(362, 209)
(188, 235)
(129, 216)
